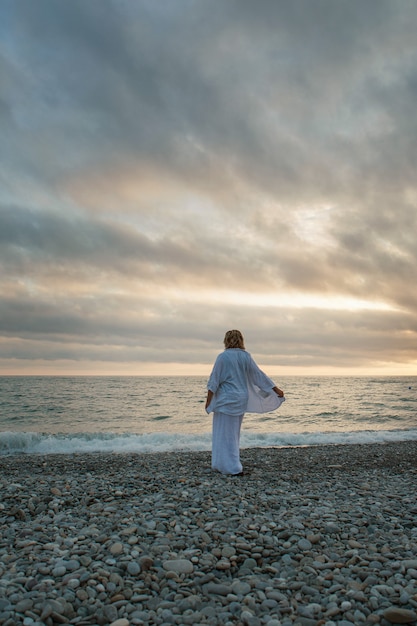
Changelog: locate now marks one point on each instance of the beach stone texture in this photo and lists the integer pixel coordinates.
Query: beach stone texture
(312, 536)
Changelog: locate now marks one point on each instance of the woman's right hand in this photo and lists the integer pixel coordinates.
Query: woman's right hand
(209, 398)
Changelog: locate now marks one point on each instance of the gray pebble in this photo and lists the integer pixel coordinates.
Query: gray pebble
(133, 568)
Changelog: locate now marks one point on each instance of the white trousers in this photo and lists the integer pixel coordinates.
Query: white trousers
(225, 444)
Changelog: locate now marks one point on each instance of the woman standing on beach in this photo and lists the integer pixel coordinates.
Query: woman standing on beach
(236, 386)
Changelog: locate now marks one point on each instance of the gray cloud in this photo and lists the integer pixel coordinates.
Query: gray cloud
(89, 330)
(223, 147)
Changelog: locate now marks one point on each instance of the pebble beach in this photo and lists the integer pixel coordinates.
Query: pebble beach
(308, 536)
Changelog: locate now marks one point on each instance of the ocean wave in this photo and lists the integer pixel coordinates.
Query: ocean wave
(40, 443)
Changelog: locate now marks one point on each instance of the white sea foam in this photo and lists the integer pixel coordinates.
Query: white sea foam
(39, 443)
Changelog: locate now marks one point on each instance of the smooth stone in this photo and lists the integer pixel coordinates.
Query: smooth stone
(249, 619)
(228, 551)
(52, 606)
(110, 612)
(4, 604)
(304, 544)
(179, 566)
(133, 568)
(223, 565)
(209, 611)
(145, 562)
(59, 571)
(24, 605)
(306, 621)
(116, 548)
(397, 615)
(218, 589)
(240, 588)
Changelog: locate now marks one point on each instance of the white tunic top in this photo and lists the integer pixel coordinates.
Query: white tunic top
(240, 386)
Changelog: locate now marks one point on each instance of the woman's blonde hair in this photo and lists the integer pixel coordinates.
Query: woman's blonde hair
(234, 339)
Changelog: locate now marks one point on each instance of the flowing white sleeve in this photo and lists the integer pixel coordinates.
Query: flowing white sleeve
(262, 401)
(261, 397)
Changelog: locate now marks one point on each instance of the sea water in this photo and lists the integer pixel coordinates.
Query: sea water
(65, 414)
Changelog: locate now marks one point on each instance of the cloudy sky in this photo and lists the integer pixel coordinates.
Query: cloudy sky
(170, 170)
